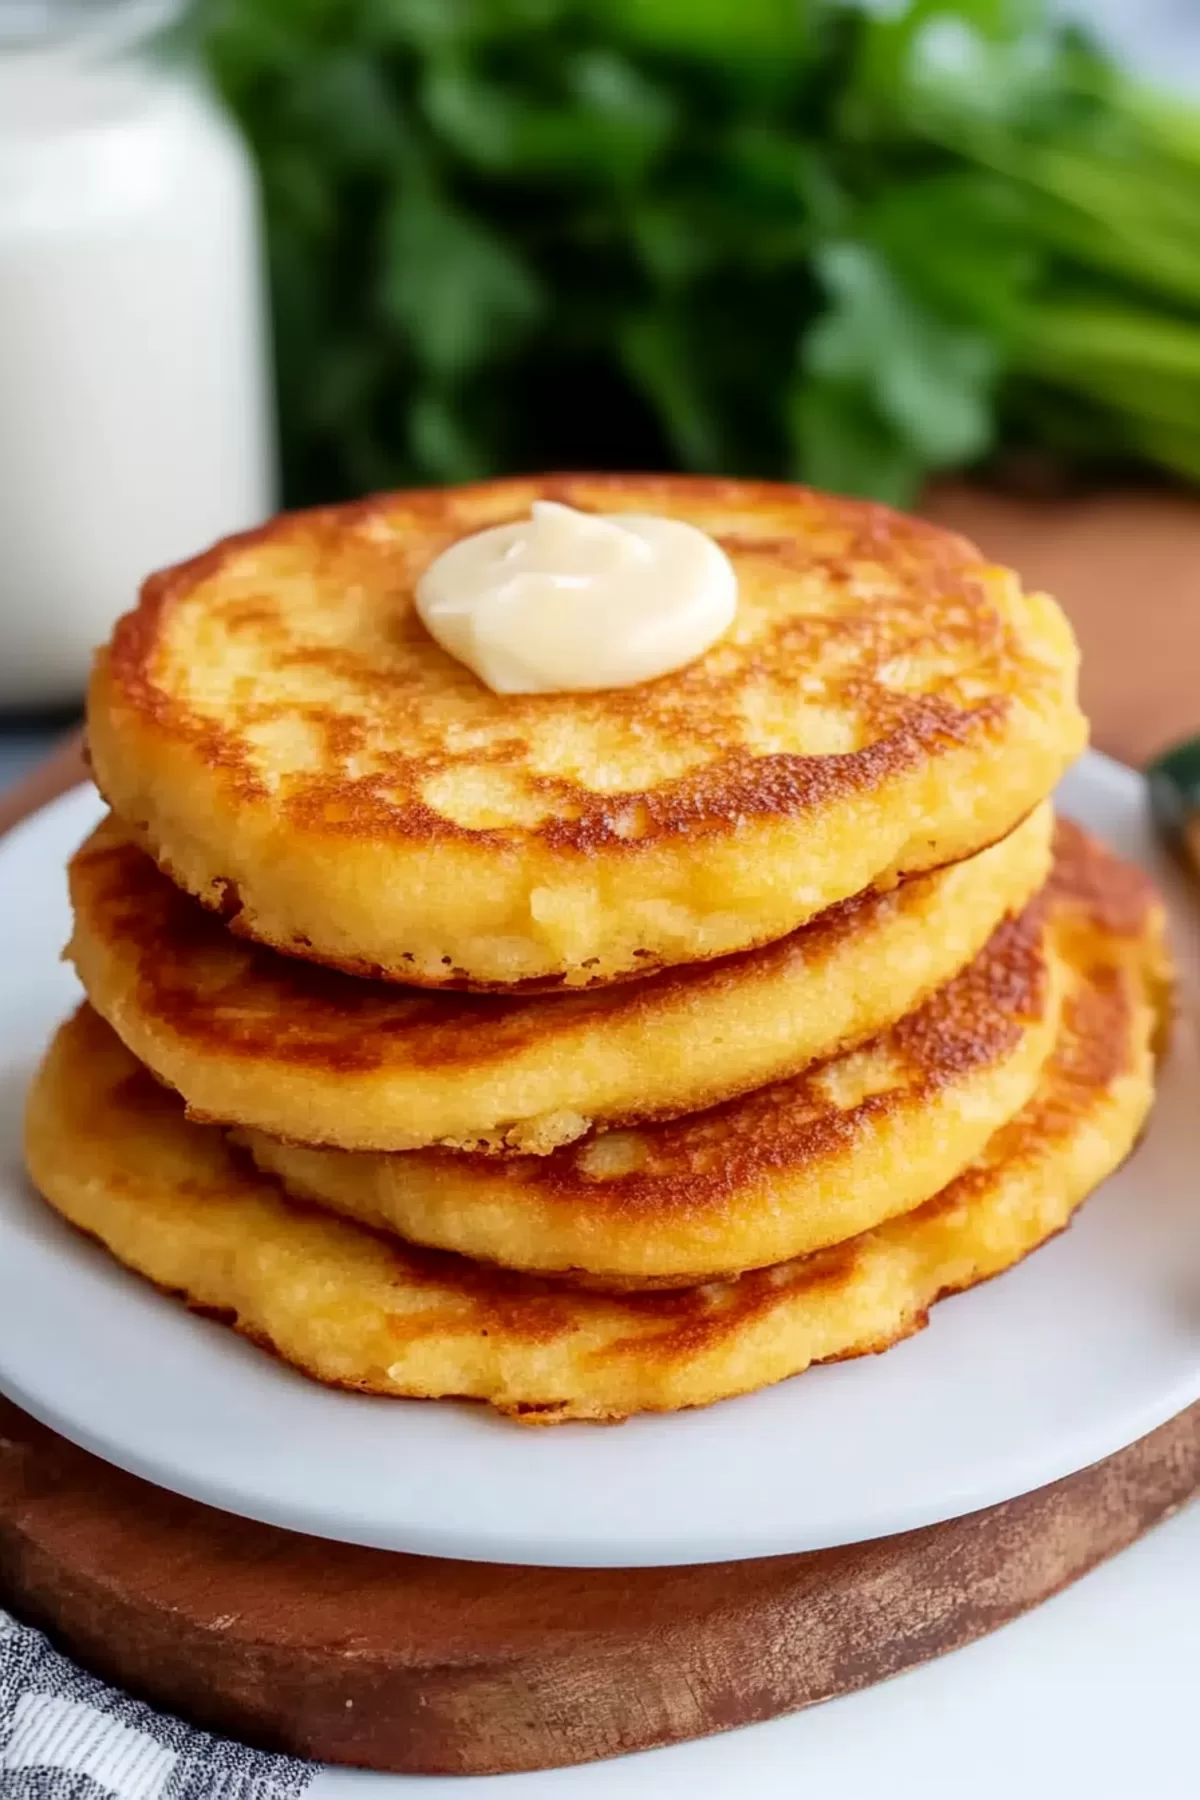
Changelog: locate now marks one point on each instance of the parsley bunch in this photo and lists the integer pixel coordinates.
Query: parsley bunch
(845, 241)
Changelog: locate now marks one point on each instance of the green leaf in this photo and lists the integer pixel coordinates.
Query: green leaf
(346, 116)
(442, 448)
(713, 30)
(988, 61)
(939, 394)
(301, 198)
(841, 443)
(668, 242)
(957, 240)
(653, 351)
(343, 382)
(607, 122)
(426, 25)
(1110, 338)
(458, 292)
(476, 118)
(611, 125)
(1131, 221)
(505, 231)
(1173, 447)
(931, 381)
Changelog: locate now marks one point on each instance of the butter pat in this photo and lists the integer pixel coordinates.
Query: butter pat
(568, 601)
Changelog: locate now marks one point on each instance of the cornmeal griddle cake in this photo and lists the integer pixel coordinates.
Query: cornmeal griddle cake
(785, 1170)
(281, 733)
(253, 1038)
(113, 1152)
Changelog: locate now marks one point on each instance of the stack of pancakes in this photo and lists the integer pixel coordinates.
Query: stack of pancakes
(591, 1053)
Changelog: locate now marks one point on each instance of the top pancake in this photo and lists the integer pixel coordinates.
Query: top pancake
(293, 748)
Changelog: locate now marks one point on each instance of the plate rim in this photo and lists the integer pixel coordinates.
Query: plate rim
(656, 1546)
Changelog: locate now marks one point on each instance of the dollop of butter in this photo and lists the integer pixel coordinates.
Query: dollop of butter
(568, 601)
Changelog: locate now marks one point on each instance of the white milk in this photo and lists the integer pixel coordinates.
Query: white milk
(134, 418)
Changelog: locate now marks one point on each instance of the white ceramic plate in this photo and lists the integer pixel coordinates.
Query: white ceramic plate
(1091, 1343)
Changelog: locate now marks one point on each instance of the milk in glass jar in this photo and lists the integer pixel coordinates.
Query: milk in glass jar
(135, 423)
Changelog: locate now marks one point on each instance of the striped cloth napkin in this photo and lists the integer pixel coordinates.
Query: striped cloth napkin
(66, 1736)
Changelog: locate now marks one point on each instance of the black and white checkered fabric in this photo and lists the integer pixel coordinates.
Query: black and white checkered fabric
(65, 1736)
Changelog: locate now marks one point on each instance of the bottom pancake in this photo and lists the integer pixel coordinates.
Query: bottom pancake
(114, 1154)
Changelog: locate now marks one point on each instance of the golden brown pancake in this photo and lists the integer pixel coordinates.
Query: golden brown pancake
(782, 1171)
(112, 1151)
(253, 1038)
(283, 735)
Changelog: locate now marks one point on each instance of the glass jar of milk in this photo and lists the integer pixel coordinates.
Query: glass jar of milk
(135, 424)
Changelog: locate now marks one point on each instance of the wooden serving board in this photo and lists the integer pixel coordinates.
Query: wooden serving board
(411, 1664)
(415, 1665)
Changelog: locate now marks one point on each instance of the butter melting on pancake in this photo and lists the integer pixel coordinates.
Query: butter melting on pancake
(293, 747)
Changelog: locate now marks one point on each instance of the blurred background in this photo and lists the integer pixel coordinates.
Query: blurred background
(850, 242)
(264, 251)
(853, 243)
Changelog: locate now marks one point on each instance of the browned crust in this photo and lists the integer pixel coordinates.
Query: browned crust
(699, 1163)
(842, 917)
(1096, 1046)
(936, 577)
(1114, 957)
(307, 1014)
(691, 1165)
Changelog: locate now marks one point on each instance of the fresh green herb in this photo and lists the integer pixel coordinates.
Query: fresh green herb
(851, 242)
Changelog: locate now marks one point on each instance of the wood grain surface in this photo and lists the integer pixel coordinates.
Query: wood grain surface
(405, 1663)
(411, 1664)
